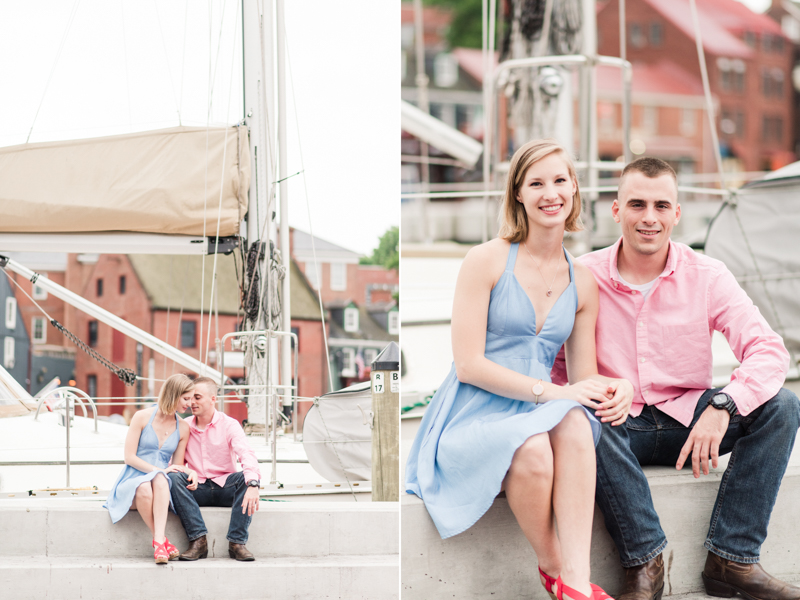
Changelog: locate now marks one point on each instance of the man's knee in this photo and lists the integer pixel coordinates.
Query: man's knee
(178, 478)
(237, 479)
(785, 407)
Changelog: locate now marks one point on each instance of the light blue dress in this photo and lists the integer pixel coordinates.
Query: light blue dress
(121, 495)
(468, 436)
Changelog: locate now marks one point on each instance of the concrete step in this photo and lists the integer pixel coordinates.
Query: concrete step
(61, 528)
(373, 577)
(493, 559)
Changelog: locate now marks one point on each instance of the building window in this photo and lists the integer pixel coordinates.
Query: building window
(91, 386)
(188, 334)
(656, 34)
(92, 333)
(750, 39)
(370, 354)
(8, 353)
(39, 330)
(314, 274)
(11, 313)
(772, 82)
(351, 319)
(394, 322)
(39, 293)
(772, 129)
(99, 287)
(637, 39)
(338, 276)
(122, 284)
(445, 70)
(348, 362)
(732, 74)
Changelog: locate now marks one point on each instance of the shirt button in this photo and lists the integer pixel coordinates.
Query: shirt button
(641, 323)
(642, 360)
(616, 285)
(644, 393)
(633, 291)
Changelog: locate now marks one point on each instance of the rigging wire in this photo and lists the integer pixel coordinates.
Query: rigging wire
(183, 57)
(308, 209)
(166, 59)
(55, 63)
(125, 59)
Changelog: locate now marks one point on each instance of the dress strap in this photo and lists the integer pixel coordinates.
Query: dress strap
(512, 257)
(153, 416)
(571, 267)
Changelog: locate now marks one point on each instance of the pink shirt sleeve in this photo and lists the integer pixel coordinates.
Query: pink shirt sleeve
(239, 445)
(761, 352)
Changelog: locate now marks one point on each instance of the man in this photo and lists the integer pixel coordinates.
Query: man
(214, 439)
(659, 303)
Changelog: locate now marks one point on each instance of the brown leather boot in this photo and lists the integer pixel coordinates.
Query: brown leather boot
(239, 552)
(723, 578)
(197, 549)
(645, 582)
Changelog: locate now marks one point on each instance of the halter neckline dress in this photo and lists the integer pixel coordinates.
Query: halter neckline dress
(121, 495)
(468, 435)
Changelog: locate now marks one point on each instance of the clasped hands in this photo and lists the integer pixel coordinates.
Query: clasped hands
(610, 400)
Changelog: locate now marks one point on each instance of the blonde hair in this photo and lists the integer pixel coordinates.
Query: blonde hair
(513, 216)
(172, 390)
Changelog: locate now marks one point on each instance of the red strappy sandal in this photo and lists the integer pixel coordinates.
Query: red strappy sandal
(550, 584)
(174, 553)
(597, 592)
(160, 554)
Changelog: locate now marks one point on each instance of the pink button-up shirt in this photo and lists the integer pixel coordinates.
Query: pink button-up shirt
(662, 344)
(212, 451)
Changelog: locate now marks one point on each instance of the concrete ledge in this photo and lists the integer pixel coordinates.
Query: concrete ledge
(351, 577)
(493, 558)
(65, 528)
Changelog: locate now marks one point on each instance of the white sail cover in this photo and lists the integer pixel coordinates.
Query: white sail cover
(337, 441)
(162, 181)
(758, 232)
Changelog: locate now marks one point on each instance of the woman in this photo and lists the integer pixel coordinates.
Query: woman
(155, 435)
(497, 422)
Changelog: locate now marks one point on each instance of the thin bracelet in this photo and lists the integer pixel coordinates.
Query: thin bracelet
(537, 390)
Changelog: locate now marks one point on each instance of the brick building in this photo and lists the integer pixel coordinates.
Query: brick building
(749, 64)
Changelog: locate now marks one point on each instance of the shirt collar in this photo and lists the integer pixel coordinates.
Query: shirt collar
(214, 421)
(613, 271)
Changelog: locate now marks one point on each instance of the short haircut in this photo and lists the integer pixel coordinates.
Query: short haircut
(513, 217)
(649, 167)
(172, 390)
(210, 384)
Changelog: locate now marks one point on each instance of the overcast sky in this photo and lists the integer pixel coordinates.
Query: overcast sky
(86, 68)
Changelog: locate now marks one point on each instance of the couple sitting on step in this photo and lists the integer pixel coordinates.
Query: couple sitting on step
(635, 320)
(185, 464)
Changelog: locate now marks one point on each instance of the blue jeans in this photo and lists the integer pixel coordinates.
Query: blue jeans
(760, 445)
(187, 504)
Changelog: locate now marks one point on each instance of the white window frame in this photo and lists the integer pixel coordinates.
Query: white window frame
(11, 312)
(393, 322)
(370, 354)
(348, 362)
(39, 293)
(9, 359)
(40, 339)
(314, 275)
(338, 276)
(350, 320)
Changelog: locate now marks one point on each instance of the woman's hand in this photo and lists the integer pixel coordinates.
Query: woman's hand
(589, 392)
(175, 469)
(618, 406)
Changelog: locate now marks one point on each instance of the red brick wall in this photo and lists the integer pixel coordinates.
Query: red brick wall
(358, 276)
(312, 373)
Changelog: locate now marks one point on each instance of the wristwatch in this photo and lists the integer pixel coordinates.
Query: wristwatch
(254, 483)
(537, 390)
(722, 401)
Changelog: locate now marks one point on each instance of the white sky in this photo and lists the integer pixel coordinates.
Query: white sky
(128, 65)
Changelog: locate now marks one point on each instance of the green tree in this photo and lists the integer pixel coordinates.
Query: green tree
(466, 28)
(387, 254)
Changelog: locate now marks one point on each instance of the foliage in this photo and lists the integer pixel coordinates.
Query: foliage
(466, 27)
(387, 254)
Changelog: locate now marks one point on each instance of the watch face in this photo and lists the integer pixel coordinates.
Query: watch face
(719, 400)
(538, 389)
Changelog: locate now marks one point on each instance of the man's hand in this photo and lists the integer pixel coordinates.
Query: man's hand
(191, 477)
(616, 409)
(250, 502)
(704, 440)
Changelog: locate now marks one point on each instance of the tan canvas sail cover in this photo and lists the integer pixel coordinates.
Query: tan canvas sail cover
(153, 182)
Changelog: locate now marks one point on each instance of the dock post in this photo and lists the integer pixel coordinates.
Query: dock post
(385, 378)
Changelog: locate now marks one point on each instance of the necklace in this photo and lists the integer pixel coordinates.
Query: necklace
(550, 288)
